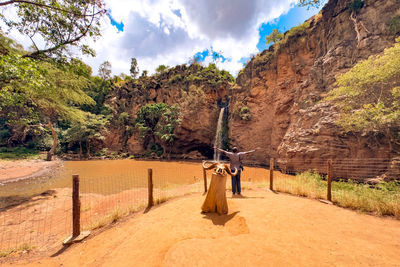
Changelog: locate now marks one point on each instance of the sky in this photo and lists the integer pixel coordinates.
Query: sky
(172, 32)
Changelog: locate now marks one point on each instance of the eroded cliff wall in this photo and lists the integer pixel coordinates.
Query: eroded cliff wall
(283, 87)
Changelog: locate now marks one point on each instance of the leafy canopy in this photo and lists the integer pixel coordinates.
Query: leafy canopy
(274, 37)
(369, 94)
(60, 24)
(158, 120)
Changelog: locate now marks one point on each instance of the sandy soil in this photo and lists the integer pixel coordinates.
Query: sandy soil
(261, 229)
(19, 169)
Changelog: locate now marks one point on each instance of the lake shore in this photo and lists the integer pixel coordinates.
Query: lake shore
(23, 169)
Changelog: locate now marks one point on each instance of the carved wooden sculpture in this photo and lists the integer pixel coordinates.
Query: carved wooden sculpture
(216, 197)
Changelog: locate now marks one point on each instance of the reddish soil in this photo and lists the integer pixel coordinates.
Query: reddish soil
(261, 229)
(11, 170)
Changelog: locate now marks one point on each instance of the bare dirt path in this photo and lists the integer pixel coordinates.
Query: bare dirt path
(20, 169)
(262, 229)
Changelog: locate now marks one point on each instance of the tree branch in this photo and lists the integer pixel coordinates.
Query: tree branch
(48, 6)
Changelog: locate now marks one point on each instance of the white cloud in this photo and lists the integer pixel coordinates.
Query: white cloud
(169, 32)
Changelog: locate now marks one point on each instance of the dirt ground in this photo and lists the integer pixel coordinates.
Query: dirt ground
(19, 169)
(261, 229)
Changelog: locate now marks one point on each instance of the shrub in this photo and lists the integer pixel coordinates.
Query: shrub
(355, 6)
(245, 113)
(394, 25)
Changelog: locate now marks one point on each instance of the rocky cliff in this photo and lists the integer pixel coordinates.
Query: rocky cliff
(275, 103)
(281, 88)
(198, 91)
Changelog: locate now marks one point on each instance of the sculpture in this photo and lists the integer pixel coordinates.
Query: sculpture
(216, 197)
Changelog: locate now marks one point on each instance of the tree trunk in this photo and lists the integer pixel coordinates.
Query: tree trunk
(80, 149)
(88, 149)
(53, 147)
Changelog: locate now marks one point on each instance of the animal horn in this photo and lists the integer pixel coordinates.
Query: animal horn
(228, 170)
(209, 167)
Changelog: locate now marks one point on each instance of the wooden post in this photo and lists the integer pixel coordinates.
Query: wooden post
(150, 188)
(329, 193)
(205, 180)
(271, 174)
(77, 235)
(76, 207)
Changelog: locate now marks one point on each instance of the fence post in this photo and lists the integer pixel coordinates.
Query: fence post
(271, 174)
(329, 193)
(77, 235)
(150, 188)
(76, 207)
(205, 180)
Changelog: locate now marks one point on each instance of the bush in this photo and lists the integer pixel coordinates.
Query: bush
(355, 6)
(245, 113)
(394, 25)
(175, 79)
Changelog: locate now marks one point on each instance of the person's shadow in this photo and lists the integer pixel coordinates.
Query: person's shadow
(220, 219)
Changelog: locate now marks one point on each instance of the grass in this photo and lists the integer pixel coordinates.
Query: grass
(382, 199)
(14, 153)
(22, 248)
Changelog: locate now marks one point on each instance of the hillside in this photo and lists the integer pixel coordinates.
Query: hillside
(276, 102)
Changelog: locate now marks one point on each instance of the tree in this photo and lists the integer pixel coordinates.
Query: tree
(105, 70)
(134, 68)
(160, 69)
(35, 93)
(144, 73)
(61, 24)
(312, 3)
(368, 96)
(274, 37)
(158, 121)
(88, 131)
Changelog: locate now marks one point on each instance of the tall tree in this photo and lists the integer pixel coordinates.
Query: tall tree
(36, 93)
(105, 70)
(59, 23)
(134, 68)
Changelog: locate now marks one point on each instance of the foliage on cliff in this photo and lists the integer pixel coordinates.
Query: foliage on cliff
(368, 95)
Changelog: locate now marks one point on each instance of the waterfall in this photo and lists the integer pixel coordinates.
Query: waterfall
(218, 135)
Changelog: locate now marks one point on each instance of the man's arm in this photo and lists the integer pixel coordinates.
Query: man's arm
(250, 151)
(221, 150)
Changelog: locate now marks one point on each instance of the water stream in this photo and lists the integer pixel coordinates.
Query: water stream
(218, 135)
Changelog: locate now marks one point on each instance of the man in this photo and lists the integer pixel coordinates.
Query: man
(235, 159)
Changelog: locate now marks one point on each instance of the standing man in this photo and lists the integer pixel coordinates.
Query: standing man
(235, 159)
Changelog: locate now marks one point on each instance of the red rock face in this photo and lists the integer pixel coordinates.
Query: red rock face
(284, 88)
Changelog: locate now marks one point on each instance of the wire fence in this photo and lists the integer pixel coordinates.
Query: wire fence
(43, 220)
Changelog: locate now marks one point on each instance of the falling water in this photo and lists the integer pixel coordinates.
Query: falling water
(218, 135)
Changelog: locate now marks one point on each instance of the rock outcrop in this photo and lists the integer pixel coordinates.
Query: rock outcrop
(275, 103)
(283, 86)
(197, 91)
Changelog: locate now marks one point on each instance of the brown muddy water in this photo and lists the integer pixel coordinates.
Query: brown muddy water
(114, 176)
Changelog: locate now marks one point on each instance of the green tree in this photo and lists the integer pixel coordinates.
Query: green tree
(87, 131)
(368, 96)
(312, 3)
(35, 93)
(161, 68)
(157, 122)
(274, 37)
(134, 70)
(61, 24)
(105, 70)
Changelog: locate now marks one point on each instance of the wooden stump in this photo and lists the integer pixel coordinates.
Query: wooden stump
(216, 197)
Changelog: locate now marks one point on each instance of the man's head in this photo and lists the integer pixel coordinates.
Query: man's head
(234, 149)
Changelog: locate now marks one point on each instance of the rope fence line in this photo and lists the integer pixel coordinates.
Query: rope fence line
(46, 219)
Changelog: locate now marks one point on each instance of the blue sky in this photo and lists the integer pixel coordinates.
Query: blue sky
(173, 32)
(295, 16)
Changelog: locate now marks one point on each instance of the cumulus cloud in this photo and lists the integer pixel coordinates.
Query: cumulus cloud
(170, 32)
